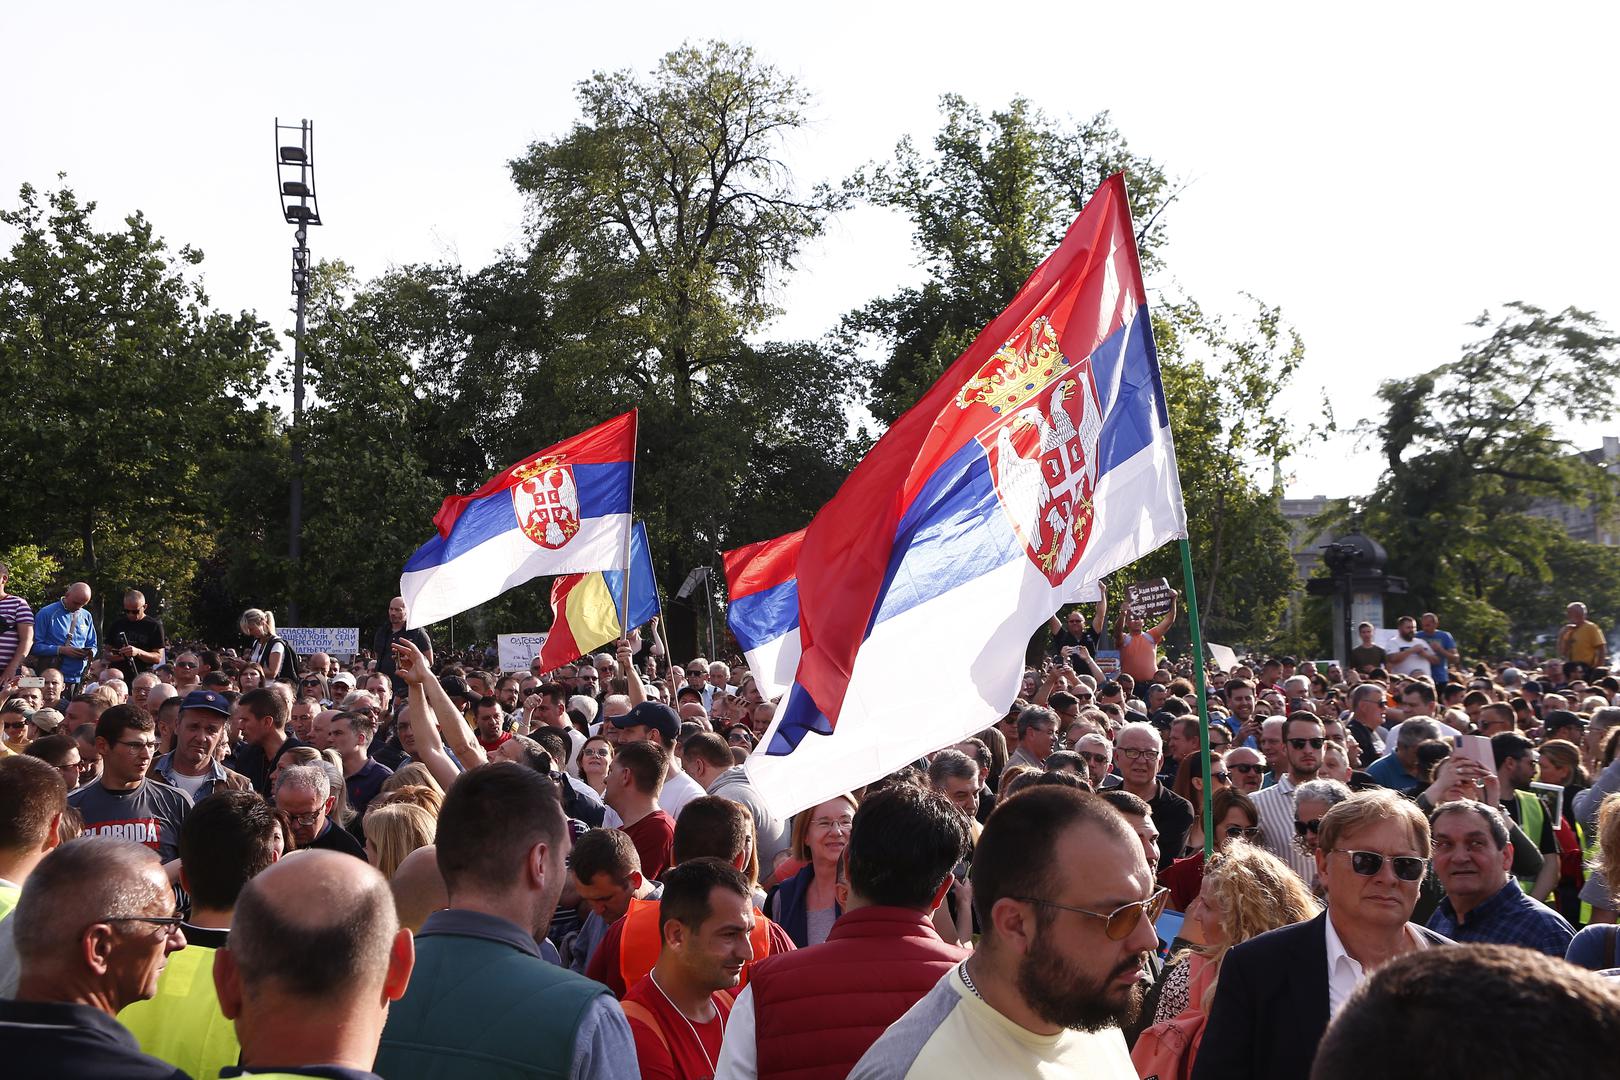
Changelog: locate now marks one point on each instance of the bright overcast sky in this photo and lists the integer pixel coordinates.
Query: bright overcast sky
(1382, 172)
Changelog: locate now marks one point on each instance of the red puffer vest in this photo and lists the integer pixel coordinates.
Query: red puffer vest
(817, 1010)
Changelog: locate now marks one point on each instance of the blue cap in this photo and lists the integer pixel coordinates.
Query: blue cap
(653, 714)
(207, 699)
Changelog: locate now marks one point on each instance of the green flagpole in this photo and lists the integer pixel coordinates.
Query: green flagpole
(1208, 809)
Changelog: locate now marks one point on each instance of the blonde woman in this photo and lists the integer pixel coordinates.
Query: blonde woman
(394, 831)
(1246, 892)
(268, 650)
(414, 774)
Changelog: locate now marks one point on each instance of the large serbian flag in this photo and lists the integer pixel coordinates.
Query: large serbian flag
(1038, 463)
(565, 510)
(763, 608)
(586, 607)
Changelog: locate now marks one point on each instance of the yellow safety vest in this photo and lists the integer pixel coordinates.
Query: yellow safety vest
(1532, 819)
(182, 1023)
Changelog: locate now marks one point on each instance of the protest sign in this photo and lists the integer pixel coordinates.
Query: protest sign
(1149, 599)
(339, 641)
(516, 651)
(1225, 657)
(1108, 661)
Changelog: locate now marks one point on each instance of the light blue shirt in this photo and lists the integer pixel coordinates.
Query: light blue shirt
(56, 626)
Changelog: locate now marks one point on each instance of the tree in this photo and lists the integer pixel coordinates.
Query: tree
(660, 226)
(993, 200)
(1468, 446)
(130, 385)
(990, 204)
(31, 573)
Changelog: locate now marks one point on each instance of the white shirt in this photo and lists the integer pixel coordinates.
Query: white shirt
(1417, 663)
(1344, 971)
(679, 789)
(1275, 805)
(1392, 737)
(739, 1055)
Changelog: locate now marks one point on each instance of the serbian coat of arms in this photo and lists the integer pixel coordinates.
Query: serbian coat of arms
(547, 502)
(1042, 444)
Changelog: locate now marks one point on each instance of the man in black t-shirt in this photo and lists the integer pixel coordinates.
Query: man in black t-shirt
(1073, 630)
(382, 644)
(134, 642)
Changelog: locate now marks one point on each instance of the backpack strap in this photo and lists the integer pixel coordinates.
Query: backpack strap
(1614, 940)
(634, 1010)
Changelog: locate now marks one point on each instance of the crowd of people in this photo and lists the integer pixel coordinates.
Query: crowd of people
(243, 861)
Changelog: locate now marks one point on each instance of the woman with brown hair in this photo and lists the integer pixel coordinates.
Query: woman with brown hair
(806, 904)
(1235, 819)
(1189, 784)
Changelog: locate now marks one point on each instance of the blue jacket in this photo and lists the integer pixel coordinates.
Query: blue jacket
(56, 626)
(787, 906)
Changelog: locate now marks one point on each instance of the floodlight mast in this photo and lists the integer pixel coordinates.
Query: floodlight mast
(295, 179)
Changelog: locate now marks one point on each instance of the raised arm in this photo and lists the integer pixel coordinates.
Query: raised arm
(412, 667)
(1169, 619)
(632, 678)
(457, 735)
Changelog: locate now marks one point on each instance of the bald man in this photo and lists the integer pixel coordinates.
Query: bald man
(382, 647)
(94, 930)
(418, 888)
(316, 955)
(65, 633)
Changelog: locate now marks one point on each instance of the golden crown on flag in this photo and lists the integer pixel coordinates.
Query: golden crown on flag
(1014, 375)
(532, 469)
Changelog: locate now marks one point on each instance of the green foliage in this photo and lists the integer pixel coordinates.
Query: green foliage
(31, 573)
(134, 383)
(1469, 446)
(990, 204)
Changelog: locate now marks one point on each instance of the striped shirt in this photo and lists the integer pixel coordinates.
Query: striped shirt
(16, 612)
(1276, 807)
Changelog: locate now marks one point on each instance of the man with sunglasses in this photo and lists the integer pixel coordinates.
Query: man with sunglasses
(1247, 768)
(134, 642)
(1278, 991)
(93, 932)
(1303, 739)
(1067, 902)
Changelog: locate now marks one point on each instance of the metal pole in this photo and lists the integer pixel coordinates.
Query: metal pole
(295, 511)
(709, 591)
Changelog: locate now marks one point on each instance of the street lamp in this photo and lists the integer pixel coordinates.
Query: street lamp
(295, 179)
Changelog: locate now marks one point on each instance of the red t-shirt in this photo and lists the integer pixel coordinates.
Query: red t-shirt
(654, 836)
(604, 963)
(671, 1052)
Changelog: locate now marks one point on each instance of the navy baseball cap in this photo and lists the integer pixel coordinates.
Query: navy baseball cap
(653, 714)
(207, 699)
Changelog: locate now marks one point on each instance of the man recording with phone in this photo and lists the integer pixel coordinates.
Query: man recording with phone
(135, 639)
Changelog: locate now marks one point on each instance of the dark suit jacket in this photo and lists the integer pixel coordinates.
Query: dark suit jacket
(1271, 1006)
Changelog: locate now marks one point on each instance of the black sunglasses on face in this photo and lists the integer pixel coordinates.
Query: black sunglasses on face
(1250, 833)
(1300, 744)
(1368, 863)
(1303, 827)
(1245, 767)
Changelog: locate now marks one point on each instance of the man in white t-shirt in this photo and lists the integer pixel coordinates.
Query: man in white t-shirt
(1069, 902)
(1409, 654)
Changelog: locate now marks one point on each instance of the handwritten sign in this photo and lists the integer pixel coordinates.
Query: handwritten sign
(1150, 599)
(339, 641)
(517, 651)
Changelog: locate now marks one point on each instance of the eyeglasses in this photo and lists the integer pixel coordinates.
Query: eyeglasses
(1094, 758)
(311, 682)
(139, 745)
(185, 663)
(75, 768)
(1245, 767)
(132, 611)
(1221, 777)
(602, 754)
(1300, 744)
(1120, 922)
(16, 725)
(305, 819)
(1368, 863)
(1302, 827)
(834, 824)
(169, 923)
(1250, 833)
(1131, 753)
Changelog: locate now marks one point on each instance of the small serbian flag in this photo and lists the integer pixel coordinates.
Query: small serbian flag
(586, 606)
(565, 510)
(763, 612)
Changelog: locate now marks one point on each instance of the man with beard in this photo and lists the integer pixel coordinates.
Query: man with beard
(1067, 901)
